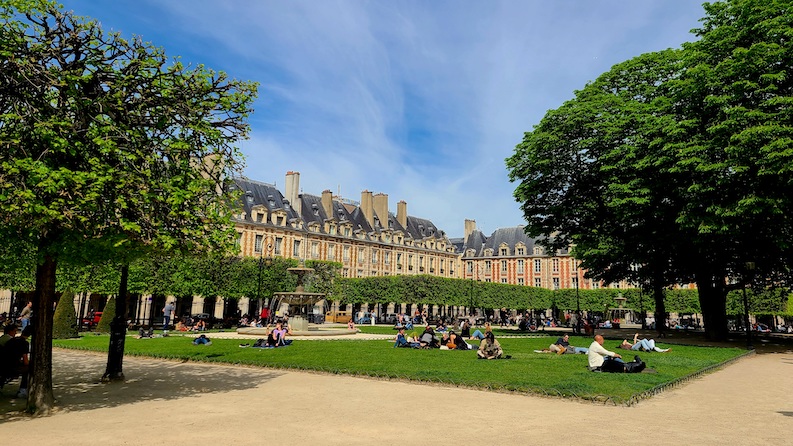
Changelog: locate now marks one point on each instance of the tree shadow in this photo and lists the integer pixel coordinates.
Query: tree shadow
(77, 386)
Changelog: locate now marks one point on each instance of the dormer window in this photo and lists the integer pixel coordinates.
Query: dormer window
(271, 201)
(315, 209)
(249, 197)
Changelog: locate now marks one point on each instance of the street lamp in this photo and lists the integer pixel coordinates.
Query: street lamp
(641, 307)
(268, 246)
(750, 272)
(577, 327)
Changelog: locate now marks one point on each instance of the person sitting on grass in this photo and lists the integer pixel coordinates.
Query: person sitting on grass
(350, 325)
(465, 329)
(458, 341)
(489, 348)
(647, 345)
(602, 360)
(277, 337)
(402, 341)
(428, 338)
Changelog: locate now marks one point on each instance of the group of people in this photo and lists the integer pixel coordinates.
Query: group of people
(189, 324)
(15, 356)
(599, 359)
(489, 347)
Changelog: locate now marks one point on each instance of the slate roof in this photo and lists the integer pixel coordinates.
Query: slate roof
(258, 193)
(511, 237)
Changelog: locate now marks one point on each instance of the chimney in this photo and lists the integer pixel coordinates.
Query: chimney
(402, 213)
(367, 208)
(293, 191)
(327, 203)
(470, 227)
(381, 209)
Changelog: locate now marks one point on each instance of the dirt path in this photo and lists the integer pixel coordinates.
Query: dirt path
(188, 403)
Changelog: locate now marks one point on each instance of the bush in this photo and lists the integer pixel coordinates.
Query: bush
(103, 326)
(64, 325)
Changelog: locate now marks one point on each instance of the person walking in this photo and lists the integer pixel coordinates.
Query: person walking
(24, 316)
(167, 313)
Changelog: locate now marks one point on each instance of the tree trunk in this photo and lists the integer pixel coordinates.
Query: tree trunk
(118, 332)
(713, 301)
(40, 396)
(660, 309)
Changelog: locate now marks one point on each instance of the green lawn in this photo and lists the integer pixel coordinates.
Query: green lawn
(527, 371)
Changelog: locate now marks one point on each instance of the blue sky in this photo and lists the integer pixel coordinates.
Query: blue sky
(420, 100)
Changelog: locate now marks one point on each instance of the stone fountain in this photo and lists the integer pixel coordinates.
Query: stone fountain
(300, 302)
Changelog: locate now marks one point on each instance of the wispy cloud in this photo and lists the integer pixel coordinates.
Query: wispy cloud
(419, 100)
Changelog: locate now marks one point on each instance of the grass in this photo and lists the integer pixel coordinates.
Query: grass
(527, 371)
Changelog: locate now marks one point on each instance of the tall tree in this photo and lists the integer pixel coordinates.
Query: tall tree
(678, 162)
(106, 138)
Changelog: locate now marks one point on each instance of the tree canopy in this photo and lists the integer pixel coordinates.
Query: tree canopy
(105, 141)
(675, 166)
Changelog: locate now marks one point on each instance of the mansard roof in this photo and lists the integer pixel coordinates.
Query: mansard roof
(510, 237)
(312, 211)
(255, 193)
(421, 228)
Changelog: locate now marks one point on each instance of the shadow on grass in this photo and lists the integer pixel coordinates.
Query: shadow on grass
(77, 387)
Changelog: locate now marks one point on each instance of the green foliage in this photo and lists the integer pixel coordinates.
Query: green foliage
(323, 278)
(675, 166)
(109, 312)
(65, 319)
(773, 301)
(527, 371)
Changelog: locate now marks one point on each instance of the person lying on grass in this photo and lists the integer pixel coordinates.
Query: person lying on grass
(479, 335)
(647, 345)
(562, 346)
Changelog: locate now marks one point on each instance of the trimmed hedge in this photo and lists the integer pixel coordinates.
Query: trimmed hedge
(64, 325)
(425, 289)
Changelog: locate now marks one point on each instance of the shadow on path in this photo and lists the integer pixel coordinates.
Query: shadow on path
(77, 386)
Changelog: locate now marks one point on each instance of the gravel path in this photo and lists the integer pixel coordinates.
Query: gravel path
(172, 402)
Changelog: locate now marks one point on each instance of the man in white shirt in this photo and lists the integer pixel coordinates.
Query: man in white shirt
(603, 360)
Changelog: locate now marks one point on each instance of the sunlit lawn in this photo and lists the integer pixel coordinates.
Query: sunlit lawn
(526, 372)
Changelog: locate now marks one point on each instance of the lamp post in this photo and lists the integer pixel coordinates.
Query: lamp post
(578, 321)
(750, 273)
(267, 244)
(641, 307)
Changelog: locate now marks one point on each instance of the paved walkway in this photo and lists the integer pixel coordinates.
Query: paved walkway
(186, 403)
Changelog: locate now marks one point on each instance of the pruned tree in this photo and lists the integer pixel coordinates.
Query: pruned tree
(106, 138)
